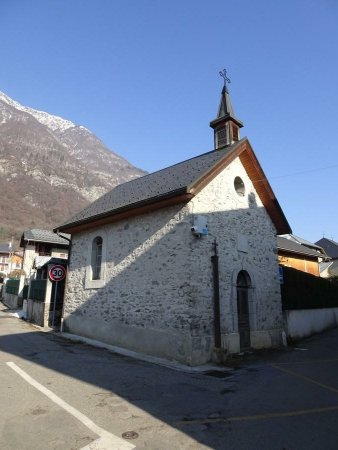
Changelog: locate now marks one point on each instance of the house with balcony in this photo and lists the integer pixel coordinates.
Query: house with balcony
(5, 251)
(300, 254)
(40, 246)
(41, 249)
(9, 260)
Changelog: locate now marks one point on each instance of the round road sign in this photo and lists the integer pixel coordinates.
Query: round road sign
(57, 272)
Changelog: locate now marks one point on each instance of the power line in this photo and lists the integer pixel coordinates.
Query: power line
(302, 172)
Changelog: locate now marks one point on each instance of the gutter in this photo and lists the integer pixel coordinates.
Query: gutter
(297, 252)
(217, 312)
(68, 260)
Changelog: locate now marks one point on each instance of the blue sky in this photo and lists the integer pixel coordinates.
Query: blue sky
(143, 76)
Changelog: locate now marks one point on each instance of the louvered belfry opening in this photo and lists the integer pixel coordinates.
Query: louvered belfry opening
(235, 133)
(221, 137)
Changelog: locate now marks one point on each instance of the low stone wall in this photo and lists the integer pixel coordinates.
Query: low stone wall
(301, 323)
(12, 301)
(36, 312)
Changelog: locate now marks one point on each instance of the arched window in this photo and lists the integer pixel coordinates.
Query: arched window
(96, 262)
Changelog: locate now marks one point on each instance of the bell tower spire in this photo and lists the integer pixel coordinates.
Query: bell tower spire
(226, 126)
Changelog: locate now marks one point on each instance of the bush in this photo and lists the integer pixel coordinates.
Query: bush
(16, 274)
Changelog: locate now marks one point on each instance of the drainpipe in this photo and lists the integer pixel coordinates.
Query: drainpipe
(68, 261)
(70, 244)
(217, 314)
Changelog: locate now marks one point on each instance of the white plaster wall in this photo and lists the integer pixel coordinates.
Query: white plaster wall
(30, 255)
(28, 261)
(59, 253)
(157, 293)
(305, 322)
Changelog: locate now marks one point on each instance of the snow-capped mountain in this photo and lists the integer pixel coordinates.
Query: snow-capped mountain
(54, 123)
(50, 168)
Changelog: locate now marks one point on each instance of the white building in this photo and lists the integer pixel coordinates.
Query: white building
(39, 246)
(183, 261)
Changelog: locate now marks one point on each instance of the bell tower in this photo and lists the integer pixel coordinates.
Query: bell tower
(226, 126)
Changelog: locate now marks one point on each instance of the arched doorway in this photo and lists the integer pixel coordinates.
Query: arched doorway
(243, 285)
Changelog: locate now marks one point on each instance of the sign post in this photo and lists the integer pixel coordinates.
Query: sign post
(56, 273)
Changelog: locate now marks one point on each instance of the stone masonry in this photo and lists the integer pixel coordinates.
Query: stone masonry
(156, 295)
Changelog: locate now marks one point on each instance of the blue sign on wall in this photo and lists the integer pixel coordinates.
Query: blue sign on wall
(281, 275)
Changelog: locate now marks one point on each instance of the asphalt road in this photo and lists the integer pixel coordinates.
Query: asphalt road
(58, 394)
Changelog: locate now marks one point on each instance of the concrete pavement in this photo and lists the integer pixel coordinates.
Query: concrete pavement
(272, 400)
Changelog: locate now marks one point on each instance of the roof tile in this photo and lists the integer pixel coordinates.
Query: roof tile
(39, 235)
(154, 186)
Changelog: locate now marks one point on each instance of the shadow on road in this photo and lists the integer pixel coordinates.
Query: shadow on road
(185, 401)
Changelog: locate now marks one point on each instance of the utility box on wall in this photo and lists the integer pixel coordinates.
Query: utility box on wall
(200, 227)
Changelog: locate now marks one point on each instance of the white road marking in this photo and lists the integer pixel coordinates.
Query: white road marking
(106, 441)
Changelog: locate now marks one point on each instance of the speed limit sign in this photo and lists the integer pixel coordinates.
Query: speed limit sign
(57, 273)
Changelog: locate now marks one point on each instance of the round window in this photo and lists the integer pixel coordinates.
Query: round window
(239, 186)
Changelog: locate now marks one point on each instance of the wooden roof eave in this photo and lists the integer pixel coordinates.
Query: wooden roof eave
(246, 154)
(264, 190)
(208, 176)
(297, 253)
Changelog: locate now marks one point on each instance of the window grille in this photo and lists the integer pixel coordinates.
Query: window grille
(96, 258)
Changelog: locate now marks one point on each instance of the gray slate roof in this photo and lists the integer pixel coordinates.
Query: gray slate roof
(292, 246)
(4, 248)
(330, 246)
(302, 241)
(165, 183)
(38, 235)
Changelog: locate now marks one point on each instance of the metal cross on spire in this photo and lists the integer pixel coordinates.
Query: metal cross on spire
(223, 74)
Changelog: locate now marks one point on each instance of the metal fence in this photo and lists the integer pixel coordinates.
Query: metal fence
(301, 290)
(38, 290)
(12, 287)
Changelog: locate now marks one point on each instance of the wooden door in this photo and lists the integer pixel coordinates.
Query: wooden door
(243, 285)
